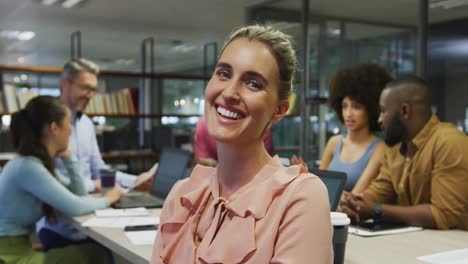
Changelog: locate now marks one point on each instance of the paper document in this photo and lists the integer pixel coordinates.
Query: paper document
(365, 233)
(145, 176)
(459, 256)
(110, 212)
(141, 238)
(120, 222)
(126, 180)
(131, 181)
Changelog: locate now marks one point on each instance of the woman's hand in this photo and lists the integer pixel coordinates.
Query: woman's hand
(64, 154)
(115, 193)
(296, 160)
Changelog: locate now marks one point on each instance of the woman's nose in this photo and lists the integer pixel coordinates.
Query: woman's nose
(231, 92)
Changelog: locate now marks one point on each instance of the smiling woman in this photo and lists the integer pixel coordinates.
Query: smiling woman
(250, 209)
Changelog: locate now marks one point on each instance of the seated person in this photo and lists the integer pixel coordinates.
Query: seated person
(78, 83)
(354, 96)
(250, 209)
(30, 188)
(205, 145)
(423, 178)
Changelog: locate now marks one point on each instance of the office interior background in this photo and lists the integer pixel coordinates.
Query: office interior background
(161, 53)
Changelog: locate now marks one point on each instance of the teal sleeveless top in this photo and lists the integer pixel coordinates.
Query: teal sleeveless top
(353, 170)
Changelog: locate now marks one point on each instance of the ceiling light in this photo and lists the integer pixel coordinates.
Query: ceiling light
(24, 77)
(70, 3)
(446, 4)
(21, 60)
(26, 35)
(48, 2)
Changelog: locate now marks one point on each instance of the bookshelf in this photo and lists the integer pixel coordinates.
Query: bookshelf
(154, 117)
(129, 121)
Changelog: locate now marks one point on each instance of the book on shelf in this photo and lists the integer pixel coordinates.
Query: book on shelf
(14, 99)
(2, 109)
(9, 98)
(123, 101)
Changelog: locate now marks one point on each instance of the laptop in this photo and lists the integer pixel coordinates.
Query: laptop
(173, 164)
(335, 182)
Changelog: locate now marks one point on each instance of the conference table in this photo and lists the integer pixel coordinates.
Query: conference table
(397, 248)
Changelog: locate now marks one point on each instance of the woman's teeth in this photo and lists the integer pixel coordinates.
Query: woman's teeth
(226, 113)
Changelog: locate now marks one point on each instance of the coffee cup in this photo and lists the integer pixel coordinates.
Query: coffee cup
(107, 179)
(340, 222)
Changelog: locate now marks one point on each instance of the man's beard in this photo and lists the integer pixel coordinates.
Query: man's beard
(395, 132)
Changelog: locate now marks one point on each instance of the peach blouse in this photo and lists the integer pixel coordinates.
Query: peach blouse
(281, 216)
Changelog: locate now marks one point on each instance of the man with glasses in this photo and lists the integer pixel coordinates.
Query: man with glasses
(78, 85)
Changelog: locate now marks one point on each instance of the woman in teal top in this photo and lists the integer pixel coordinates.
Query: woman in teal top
(29, 188)
(354, 96)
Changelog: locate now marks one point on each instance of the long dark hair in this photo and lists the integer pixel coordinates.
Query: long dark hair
(27, 126)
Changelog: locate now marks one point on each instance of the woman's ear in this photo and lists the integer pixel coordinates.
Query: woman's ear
(53, 128)
(280, 111)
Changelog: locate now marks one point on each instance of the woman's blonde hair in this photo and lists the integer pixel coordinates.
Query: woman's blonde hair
(280, 45)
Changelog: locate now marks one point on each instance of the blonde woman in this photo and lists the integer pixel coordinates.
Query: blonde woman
(250, 209)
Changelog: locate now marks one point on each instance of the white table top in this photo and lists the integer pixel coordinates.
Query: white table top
(403, 248)
(398, 248)
(116, 240)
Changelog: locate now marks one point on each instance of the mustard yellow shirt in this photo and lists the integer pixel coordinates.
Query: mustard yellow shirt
(433, 170)
(281, 216)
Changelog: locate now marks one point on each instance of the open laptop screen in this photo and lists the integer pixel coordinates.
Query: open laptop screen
(171, 168)
(335, 182)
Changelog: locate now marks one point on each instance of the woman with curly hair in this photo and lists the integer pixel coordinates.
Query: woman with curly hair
(354, 96)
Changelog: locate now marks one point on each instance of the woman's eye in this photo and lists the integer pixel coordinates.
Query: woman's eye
(357, 106)
(223, 74)
(254, 84)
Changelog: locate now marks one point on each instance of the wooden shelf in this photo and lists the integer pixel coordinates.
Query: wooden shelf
(51, 70)
(130, 115)
(142, 115)
(287, 148)
(108, 156)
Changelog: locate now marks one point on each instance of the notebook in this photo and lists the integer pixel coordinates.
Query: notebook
(335, 182)
(173, 164)
(368, 228)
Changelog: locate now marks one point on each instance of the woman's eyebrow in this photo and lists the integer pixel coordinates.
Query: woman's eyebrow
(224, 65)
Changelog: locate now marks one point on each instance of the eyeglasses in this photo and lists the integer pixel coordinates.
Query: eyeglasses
(85, 88)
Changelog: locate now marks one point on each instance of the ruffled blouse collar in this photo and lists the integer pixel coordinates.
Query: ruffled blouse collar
(242, 209)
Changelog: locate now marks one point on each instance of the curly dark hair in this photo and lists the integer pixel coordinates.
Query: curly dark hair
(362, 83)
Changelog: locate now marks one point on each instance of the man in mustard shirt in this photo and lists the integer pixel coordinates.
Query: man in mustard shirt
(423, 180)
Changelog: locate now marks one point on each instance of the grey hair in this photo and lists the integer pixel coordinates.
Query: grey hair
(74, 66)
(279, 44)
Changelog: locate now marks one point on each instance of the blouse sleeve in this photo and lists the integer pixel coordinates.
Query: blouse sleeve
(167, 212)
(305, 232)
(76, 184)
(42, 184)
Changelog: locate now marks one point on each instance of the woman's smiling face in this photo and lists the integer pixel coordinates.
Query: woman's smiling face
(241, 98)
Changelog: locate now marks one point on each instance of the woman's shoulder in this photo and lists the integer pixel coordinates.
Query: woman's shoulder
(303, 184)
(199, 178)
(23, 165)
(335, 139)
(380, 147)
(24, 162)
(309, 182)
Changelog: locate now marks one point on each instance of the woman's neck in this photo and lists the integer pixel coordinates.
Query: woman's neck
(51, 150)
(238, 165)
(360, 136)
